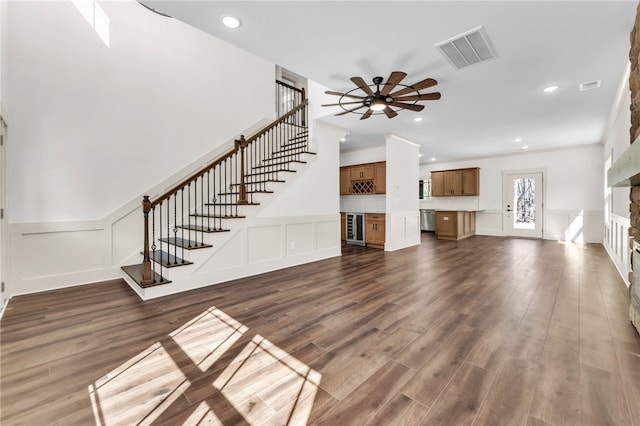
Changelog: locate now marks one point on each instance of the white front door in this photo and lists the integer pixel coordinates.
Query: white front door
(523, 204)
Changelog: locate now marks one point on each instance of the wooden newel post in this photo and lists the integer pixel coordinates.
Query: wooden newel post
(147, 278)
(242, 144)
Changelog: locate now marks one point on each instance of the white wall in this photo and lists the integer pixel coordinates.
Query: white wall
(317, 190)
(402, 207)
(3, 55)
(94, 126)
(573, 195)
(616, 223)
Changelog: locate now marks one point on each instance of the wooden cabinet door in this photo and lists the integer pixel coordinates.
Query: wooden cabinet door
(437, 184)
(380, 181)
(343, 226)
(375, 229)
(345, 181)
(447, 224)
(363, 172)
(453, 182)
(470, 182)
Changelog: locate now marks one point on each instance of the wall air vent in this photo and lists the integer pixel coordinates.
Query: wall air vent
(589, 85)
(468, 48)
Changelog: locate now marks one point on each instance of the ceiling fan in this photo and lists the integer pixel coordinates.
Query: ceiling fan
(381, 100)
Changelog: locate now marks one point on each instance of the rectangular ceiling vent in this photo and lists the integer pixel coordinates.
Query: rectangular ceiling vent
(589, 85)
(466, 49)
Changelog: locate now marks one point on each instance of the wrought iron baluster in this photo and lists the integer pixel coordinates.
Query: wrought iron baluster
(208, 198)
(175, 227)
(160, 227)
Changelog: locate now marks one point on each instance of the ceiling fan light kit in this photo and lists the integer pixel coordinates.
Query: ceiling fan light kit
(382, 100)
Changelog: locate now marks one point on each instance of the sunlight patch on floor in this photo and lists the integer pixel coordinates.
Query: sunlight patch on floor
(268, 386)
(263, 384)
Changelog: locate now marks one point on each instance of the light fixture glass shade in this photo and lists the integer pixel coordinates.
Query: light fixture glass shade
(378, 105)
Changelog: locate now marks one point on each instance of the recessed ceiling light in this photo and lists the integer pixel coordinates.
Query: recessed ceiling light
(433, 158)
(417, 119)
(518, 140)
(230, 21)
(524, 147)
(419, 155)
(550, 89)
(343, 139)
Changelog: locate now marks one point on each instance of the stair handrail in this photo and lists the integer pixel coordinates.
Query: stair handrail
(240, 145)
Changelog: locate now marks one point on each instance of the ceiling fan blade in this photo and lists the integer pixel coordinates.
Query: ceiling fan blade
(343, 103)
(395, 78)
(350, 110)
(389, 112)
(427, 82)
(412, 107)
(331, 92)
(358, 81)
(366, 114)
(424, 97)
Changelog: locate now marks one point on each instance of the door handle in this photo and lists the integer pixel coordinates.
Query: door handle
(508, 210)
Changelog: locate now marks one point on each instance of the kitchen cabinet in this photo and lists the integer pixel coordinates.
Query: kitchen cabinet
(380, 179)
(345, 181)
(437, 184)
(459, 182)
(343, 226)
(374, 233)
(455, 225)
(363, 172)
(470, 181)
(368, 178)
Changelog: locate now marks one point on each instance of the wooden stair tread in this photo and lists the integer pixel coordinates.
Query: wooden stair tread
(204, 229)
(231, 204)
(263, 191)
(167, 259)
(290, 149)
(185, 243)
(267, 172)
(217, 216)
(265, 165)
(257, 182)
(135, 272)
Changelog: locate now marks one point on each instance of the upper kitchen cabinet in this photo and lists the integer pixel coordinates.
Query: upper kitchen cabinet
(345, 181)
(437, 184)
(459, 182)
(380, 181)
(363, 179)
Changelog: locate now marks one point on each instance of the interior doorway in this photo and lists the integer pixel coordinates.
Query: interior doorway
(523, 195)
(3, 211)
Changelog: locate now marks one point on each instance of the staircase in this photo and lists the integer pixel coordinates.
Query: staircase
(186, 217)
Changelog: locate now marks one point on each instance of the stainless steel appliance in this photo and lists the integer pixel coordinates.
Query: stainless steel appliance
(427, 220)
(355, 228)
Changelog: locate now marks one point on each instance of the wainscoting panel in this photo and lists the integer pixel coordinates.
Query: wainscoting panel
(616, 242)
(328, 234)
(264, 243)
(489, 222)
(126, 235)
(402, 230)
(299, 238)
(65, 252)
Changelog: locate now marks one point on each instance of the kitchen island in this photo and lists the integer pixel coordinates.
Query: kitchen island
(455, 225)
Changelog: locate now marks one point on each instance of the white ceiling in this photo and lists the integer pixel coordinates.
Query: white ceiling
(484, 107)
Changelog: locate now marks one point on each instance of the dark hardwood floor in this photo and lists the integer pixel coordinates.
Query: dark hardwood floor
(483, 331)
